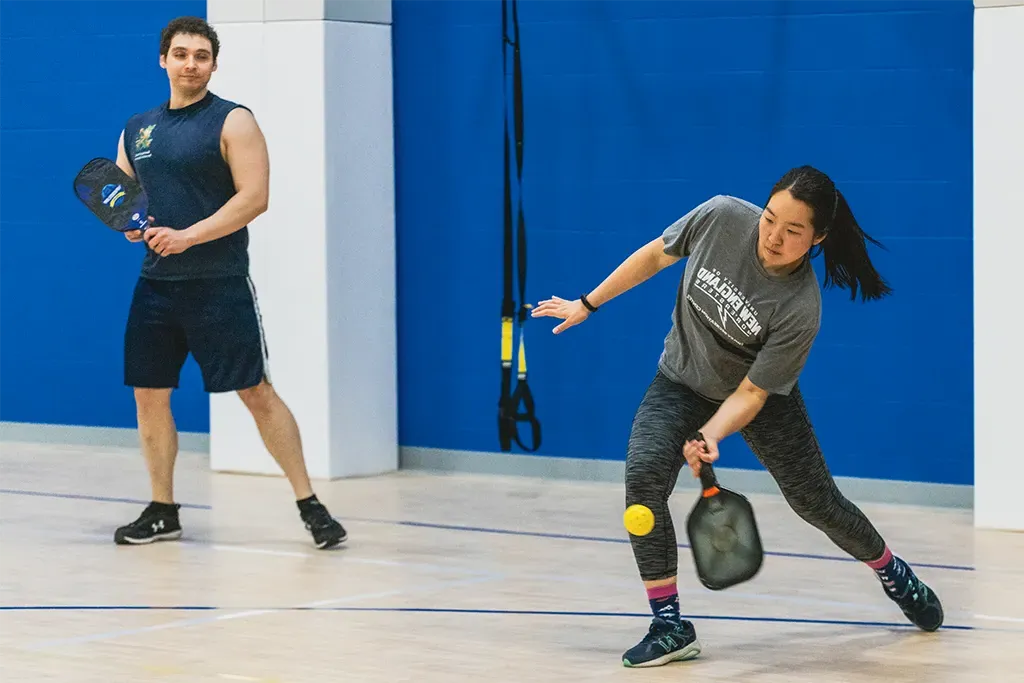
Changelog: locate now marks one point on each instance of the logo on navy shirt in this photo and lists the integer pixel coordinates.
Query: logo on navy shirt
(143, 142)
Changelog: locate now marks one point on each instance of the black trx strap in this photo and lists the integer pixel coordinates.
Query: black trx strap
(508, 404)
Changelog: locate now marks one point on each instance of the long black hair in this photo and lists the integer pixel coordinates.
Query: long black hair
(847, 264)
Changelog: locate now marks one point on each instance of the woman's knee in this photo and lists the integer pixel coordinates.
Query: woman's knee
(649, 476)
(652, 461)
(822, 509)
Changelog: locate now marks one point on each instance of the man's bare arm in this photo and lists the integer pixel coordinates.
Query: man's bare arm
(246, 152)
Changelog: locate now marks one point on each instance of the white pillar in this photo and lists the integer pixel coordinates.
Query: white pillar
(323, 256)
(998, 245)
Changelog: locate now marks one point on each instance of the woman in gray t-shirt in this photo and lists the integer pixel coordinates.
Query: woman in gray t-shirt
(746, 314)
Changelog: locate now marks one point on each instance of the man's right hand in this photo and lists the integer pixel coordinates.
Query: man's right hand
(136, 235)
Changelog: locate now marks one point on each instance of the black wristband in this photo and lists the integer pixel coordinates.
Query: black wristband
(590, 307)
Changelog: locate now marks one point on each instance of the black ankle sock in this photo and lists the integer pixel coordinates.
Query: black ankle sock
(164, 508)
(307, 504)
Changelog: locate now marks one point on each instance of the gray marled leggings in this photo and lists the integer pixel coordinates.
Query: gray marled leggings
(782, 439)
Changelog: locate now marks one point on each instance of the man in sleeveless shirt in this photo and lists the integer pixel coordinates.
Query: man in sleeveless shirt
(203, 162)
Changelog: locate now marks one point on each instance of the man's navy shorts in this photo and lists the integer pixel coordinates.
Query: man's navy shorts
(216, 319)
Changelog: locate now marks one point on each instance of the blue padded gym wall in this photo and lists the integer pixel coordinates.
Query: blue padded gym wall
(72, 74)
(636, 111)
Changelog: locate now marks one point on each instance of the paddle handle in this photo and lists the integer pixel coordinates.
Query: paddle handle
(708, 481)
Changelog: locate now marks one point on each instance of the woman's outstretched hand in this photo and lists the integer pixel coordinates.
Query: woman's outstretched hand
(572, 312)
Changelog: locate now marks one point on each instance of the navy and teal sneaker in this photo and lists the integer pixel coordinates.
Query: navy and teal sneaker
(666, 641)
(918, 602)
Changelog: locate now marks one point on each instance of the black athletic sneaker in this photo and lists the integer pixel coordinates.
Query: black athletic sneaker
(327, 531)
(919, 603)
(665, 642)
(156, 523)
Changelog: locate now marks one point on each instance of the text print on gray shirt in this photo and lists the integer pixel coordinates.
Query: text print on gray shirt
(732, 305)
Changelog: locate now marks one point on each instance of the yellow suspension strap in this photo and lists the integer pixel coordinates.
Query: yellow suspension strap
(509, 402)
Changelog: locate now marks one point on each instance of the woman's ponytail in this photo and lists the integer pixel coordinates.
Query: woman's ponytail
(847, 264)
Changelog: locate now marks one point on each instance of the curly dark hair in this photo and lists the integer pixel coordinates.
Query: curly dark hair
(192, 26)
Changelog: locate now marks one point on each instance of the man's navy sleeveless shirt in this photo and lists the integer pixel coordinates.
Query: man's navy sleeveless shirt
(176, 156)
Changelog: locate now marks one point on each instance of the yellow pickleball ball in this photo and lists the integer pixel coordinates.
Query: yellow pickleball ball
(638, 520)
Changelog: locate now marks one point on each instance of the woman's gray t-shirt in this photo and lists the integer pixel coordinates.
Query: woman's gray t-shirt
(732, 318)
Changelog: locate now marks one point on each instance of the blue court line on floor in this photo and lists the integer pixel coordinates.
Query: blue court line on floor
(601, 539)
(101, 499)
(506, 612)
(485, 530)
(642, 615)
(111, 608)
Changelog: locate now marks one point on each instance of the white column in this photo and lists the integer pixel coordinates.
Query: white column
(323, 256)
(998, 245)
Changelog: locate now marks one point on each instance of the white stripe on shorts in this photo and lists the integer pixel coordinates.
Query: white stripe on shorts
(259, 322)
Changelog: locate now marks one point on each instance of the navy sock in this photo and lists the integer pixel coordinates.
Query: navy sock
(664, 602)
(894, 573)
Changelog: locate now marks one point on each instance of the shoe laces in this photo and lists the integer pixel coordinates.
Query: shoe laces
(915, 593)
(665, 633)
(150, 513)
(318, 517)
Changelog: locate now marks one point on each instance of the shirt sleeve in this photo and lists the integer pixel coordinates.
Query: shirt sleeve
(681, 237)
(782, 358)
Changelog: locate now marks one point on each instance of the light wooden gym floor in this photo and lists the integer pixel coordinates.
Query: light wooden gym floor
(455, 578)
